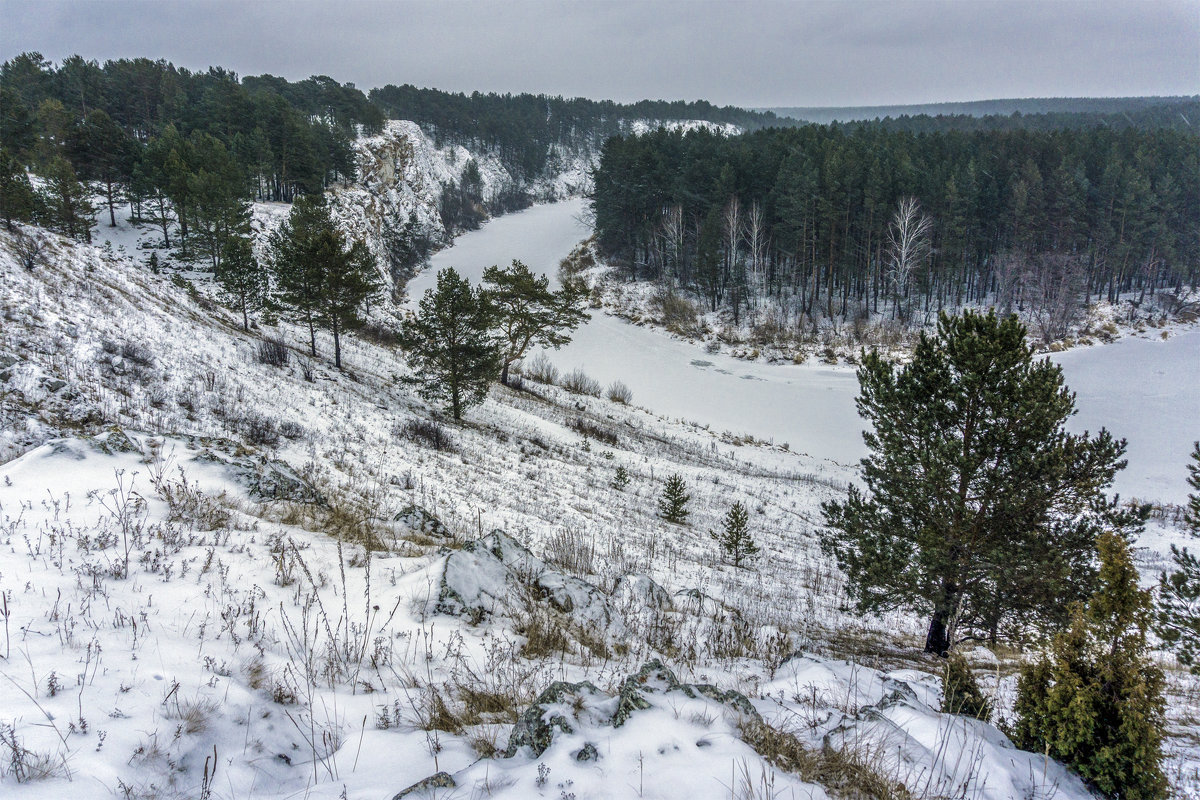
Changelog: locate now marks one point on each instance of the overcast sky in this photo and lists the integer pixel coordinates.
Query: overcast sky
(801, 53)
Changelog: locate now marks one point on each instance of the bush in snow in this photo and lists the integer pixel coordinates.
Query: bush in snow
(578, 382)
(540, 369)
(273, 351)
(1095, 701)
(620, 393)
(960, 691)
(428, 433)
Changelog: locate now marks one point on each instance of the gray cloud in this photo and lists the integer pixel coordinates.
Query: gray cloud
(816, 52)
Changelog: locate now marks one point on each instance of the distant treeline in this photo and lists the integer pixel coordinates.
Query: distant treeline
(1024, 107)
(524, 129)
(1183, 115)
(815, 219)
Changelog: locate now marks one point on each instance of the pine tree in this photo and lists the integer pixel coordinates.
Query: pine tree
(528, 313)
(317, 275)
(672, 505)
(980, 509)
(621, 479)
(351, 281)
(240, 276)
(295, 261)
(219, 198)
(17, 200)
(104, 153)
(1095, 701)
(1178, 621)
(451, 350)
(734, 535)
(68, 208)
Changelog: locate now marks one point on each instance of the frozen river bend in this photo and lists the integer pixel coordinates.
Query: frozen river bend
(1142, 390)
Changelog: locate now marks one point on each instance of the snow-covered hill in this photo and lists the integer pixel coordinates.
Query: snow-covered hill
(223, 576)
(226, 577)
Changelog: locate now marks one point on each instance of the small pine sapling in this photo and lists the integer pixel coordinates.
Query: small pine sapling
(734, 536)
(621, 479)
(672, 505)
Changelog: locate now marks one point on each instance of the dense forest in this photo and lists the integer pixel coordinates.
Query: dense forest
(189, 149)
(526, 130)
(843, 222)
(282, 137)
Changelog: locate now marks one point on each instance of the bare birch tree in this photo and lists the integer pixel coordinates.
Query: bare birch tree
(757, 244)
(908, 245)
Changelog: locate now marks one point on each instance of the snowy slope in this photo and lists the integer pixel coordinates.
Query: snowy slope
(191, 611)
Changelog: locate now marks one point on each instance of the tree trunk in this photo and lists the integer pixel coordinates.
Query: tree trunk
(504, 373)
(337, 346)
(937, 640)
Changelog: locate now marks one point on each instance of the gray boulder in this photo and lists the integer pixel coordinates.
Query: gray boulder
(439, 780)
(418, 519)
(555, 709)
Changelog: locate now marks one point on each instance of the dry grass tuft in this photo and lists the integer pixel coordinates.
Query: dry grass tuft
(844, 773)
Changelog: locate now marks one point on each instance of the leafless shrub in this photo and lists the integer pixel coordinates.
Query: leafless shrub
(30, 250)
(577, 382)
(428, 433)
(618, 392)
(677, 313)
(593, 431)
(273, 351)
(540, 369)
(291, 430)
(131, 351)
(256, 429)
(379, 333)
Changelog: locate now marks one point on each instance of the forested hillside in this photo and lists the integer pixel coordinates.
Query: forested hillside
(528, 130)
(831, 222)
(148, 125)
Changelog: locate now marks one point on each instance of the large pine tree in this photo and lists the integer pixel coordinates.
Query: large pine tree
(451, 349)
(317, 276)
(528, 313)
(980, 509)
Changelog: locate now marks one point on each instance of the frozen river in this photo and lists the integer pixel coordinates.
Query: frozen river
(1145, 391)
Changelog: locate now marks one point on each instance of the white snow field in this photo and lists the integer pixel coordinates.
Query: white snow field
(225, 579)
(1146, 390)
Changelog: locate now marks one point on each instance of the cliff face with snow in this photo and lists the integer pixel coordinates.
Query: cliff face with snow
(402, 171)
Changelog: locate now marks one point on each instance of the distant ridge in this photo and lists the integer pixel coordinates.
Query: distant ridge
(977, 108)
